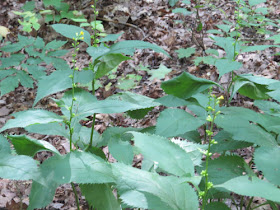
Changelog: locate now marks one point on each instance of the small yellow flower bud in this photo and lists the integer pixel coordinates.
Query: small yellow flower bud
(81, 33)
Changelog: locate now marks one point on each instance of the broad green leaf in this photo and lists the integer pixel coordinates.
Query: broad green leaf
(8, 84)
(55, 3)
(226, 65)
(237, 122)
(216, 206)
(5, 147)
(28, 146)
(255, 2)
(31, 117)
(29, 6)
(267, 160)
(227, 43)
(254, 87)
(268, 107)
(53, 45)
(162, 150)
(49, 129)
(185, 53)
(100, 196)
(111, 37)
(97, 52)
(70, 31)
(173, 122)
(226, 168)
(250, 89)
(183, 11)
(73, 168)
(186, 85)
(121, 150)
(252, 186)
(146, 190)
(226, 143)
(139, 114)
(115, 104)
(13, 60)
(41, 195)
(117, 134)
(172, 101)
(159, 73)
(18, 167)
(224, 27)
(275, 93)
(276, 39)
(193, 150)
(108, 63)
(59, 81)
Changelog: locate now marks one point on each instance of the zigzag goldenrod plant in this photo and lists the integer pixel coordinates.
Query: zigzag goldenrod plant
(174, 174)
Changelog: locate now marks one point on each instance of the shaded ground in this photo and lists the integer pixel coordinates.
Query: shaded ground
(151, 21)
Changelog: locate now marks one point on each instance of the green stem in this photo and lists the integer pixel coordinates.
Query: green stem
(249, 204)
(241, 203)
(76, 195)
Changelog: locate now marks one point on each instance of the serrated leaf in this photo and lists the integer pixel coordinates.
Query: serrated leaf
(237, 122)
(5, 147)
(108, 63)
(70, 31)
(41, 195)
(251, 86)
(28, 146)
(160, 150)
(226, 143)
(8, 84)
(185, 53)
(13, 60)
(252, 186)
(227, 43)
(73, 168)
(139, 114)
(186, 85)
(100, 196)
(122, 151)
(31, 117)
(226, 168)
(49, 129)
(18, 167)
(256, 47)
(193, 150)
(225, 66)
(268, 107)
(146, 190)
(59, 81)
(173, 122)
(267, 160)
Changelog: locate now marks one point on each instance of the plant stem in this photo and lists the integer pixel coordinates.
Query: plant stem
(249, 204)
(76, 195)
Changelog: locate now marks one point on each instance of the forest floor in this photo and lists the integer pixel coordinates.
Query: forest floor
(148, 20)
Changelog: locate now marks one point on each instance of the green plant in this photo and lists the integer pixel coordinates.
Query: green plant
(174, 174)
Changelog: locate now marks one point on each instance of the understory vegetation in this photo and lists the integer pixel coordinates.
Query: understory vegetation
(190, 157)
